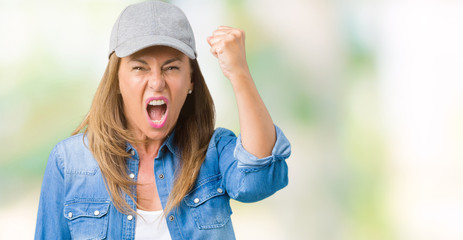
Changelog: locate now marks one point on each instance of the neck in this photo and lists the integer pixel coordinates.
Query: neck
(147, 150)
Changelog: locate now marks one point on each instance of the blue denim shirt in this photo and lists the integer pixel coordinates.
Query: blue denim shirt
(74, 202)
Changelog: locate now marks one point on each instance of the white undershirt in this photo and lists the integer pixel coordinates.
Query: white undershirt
(151, 225)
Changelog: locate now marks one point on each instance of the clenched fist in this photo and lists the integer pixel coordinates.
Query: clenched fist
(227, 45)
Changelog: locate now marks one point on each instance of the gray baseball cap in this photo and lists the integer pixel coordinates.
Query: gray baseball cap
(152, 23)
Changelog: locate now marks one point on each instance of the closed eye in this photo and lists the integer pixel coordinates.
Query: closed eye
(169, 68)
(138, 68)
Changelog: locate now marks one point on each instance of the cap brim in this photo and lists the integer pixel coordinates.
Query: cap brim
(136, 44)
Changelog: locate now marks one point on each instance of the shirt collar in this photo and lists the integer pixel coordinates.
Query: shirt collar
(168, 144)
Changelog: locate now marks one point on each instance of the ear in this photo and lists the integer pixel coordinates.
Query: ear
(192, 84)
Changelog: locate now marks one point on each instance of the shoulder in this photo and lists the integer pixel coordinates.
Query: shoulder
(221, 137)
(223, 140)
(75, 153)
(73, 141)
(76, 144)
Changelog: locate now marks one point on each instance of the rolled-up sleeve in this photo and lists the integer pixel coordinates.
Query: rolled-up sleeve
(246, 177)
(281, 151)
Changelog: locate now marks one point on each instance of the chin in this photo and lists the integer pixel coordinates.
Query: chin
(159, 133)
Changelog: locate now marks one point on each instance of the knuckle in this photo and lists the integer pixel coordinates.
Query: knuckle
(238, 33)
(229, 40)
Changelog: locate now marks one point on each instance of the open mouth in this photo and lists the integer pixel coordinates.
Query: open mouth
(157, 111)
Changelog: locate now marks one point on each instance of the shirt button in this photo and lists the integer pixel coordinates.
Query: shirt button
(219, 190)
(129, 217)
(70, 214)
(171, 218)
(161, 176)
(132, 152)
(131, 175)
(196, 200)
(96, 213)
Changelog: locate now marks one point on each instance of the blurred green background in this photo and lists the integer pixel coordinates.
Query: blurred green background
(368, 93)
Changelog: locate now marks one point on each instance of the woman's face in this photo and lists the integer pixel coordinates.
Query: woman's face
(154, 84)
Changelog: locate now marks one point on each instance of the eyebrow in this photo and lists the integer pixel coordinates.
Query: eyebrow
(172, 60)
(138, 60)
(166, 62)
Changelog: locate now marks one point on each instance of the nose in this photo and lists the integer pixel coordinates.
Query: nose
(156, 81)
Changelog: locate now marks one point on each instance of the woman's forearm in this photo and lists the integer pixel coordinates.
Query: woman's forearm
(257, 130)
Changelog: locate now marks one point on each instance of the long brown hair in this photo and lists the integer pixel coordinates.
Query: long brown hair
(105, 126)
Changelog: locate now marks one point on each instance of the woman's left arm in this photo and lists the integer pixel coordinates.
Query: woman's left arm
(257, 130)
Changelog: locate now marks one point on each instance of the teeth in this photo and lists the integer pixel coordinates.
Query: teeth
(159, 121)
(156, 102)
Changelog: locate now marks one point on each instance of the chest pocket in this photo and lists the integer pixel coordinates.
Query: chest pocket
(209, 204)
(87, 220)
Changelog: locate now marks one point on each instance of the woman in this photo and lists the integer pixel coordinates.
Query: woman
(146, 162)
